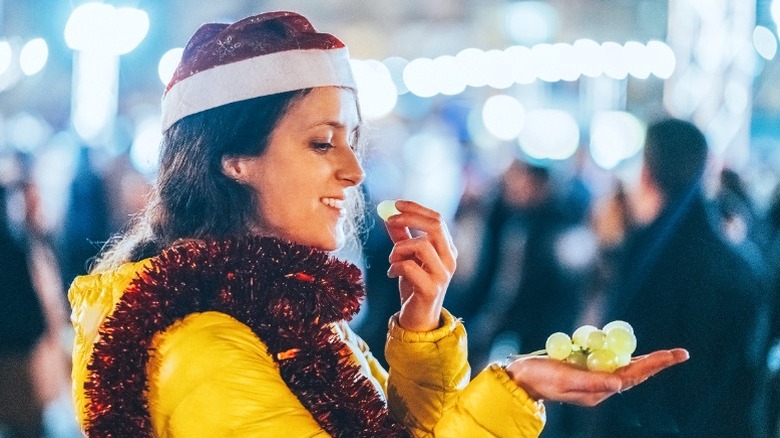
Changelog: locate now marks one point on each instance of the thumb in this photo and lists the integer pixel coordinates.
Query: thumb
(397, 233)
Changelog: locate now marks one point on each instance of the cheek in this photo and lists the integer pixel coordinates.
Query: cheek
(286, 200)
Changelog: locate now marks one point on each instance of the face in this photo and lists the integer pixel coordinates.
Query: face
(303, 177)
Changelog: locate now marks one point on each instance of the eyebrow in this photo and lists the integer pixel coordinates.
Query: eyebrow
(334, 124)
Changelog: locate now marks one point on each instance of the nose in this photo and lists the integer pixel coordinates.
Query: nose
(350, 170)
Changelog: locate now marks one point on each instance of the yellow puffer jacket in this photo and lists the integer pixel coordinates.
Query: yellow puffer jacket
(211, 376)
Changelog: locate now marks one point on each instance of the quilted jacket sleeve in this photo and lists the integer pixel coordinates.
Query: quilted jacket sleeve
(210, 376)
(428, 388)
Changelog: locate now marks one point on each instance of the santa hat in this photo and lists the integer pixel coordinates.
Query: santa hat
(258, 56)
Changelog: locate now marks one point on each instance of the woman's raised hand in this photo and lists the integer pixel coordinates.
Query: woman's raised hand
(423, 261)
(549, 379)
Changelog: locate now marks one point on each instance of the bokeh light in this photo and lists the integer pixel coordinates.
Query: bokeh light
(549, 134)
(452, 78)
(498, 70)
(775, 11)
(662, 59)
(395, 65)
(503, 116)
(376, 91)
(614, 57)
(588, 57)
(27, 132)
(94, 94)
(6, 56)
(614, 137)
(472, 61)
(102, 28)
(419, 77)
(637, 60)
(530, 22)
(33, 56)
(168, 63)
(145, 150)
(765, 42)
(520, 64)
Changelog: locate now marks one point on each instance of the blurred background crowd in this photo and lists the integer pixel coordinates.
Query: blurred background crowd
(522, 122)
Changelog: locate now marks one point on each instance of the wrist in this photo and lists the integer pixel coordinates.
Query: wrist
(420, 315)
(419, 322)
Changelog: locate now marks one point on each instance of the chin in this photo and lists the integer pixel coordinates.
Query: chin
(336, 241)
(332, 241)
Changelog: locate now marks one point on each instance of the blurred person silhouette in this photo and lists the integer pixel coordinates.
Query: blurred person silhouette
(22, 325)
(681, 283)
(610, 221)
(740, 220)
(772, 218)
(34, 313)
(527, 288)
(530, 271)
(87, 221)
(468, 226)
(51, 358)
(750, 233)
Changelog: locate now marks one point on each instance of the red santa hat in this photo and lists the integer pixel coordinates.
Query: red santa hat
(257, 56)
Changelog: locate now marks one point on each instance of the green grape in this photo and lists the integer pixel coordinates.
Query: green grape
(618, 323)
(596, 340)
(621, 341)
(385, 209)
(558, 345)
(578, 358)
(603, 360)
(580, 336)
(623, 359)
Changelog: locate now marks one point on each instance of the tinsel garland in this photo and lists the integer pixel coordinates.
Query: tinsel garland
(289, 295)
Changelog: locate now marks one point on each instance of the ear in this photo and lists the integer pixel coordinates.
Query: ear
(234, 168)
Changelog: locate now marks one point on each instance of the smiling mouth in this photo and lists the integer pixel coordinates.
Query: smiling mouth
(336, 203)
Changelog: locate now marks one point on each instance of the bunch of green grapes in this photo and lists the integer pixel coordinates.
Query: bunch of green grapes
(589, 348)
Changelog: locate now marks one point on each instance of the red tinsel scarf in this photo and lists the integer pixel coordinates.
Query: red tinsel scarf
(287, 294)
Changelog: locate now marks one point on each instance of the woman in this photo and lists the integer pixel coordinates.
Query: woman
(221, 314)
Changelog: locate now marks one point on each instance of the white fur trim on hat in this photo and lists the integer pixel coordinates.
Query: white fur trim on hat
(254, 77)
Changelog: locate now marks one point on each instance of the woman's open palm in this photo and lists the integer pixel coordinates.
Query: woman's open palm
(549, 379)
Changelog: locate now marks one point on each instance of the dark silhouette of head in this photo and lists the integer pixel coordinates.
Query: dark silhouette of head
(675, 156)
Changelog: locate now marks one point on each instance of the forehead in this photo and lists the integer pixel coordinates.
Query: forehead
(325, 105)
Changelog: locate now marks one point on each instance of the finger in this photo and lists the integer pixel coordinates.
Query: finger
(433, 227)
(644, 367)
(412, 272)
(415, 208)
(420, 249)
(451, 243)
(405, 206)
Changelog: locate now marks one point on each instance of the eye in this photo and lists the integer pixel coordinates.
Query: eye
(321, 146)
